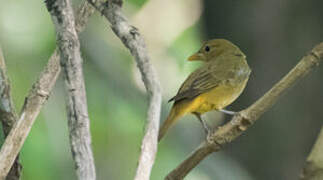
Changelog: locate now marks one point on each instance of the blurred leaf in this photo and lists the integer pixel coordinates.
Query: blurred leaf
(186, 44)
(137, 3)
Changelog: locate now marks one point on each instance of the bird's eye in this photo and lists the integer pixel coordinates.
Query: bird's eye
(207, 48)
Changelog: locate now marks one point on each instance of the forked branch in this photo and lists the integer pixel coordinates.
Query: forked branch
(35, 100)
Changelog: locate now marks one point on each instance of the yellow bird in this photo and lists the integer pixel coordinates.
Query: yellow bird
(215, 85)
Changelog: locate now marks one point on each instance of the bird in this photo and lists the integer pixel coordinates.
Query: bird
(219, 81)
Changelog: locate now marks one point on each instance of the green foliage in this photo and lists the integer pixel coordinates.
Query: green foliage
(137, 3)
(185, 44)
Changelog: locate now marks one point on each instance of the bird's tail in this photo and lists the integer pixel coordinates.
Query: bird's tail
(171, 119)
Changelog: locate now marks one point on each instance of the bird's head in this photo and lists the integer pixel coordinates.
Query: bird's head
(212, 49)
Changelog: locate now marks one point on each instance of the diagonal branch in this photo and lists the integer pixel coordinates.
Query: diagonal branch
(8, 115)
(245, 118)
(71, 62)
(36, 98)
(131, 38)
(314, 163)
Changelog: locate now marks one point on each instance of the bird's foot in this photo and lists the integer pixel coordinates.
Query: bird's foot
(232, 113)
(205, 126)
(208, 132)
(209, 137)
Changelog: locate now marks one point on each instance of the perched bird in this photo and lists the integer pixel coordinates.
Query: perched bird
(213, 86)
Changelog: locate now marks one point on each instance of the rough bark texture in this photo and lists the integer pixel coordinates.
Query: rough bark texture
(37, 96)
(245, 118)
(33, 103)
(71, 63)
(313, 169)
(8, 115)
(131, 38)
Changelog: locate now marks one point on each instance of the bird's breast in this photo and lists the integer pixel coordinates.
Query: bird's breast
(218, 97)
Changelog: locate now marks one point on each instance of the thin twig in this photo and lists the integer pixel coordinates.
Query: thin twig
(313, 169)
(245, 118)
(8, 115)
(131, 38)
(71, 62)
(37, 96)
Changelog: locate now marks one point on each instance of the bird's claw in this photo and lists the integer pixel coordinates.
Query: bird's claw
(206, 129)
(232, 113)
(208, 137)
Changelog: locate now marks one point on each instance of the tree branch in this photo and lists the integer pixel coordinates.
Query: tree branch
(71, 62)
(245, 118)
(131, 38)
(37, 96)
(313, 169)
(8, 114)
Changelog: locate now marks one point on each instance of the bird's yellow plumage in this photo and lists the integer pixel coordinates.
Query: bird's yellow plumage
(213, 86)
(217, 98)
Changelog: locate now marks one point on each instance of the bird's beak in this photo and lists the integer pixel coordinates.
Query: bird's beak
(196, 57)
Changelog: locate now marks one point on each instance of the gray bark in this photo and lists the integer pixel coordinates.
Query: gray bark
(8, 115)
(37, 96)
(71, 63)
(131, 38)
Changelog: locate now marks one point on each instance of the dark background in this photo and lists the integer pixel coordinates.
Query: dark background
(275, 35)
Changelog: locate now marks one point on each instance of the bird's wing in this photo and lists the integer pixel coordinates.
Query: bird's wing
(200, 81)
